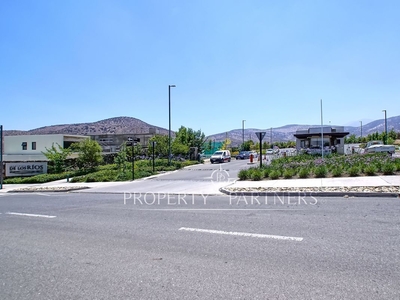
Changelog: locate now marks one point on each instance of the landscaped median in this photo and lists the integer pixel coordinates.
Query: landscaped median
(106, 173)
(308, 166)
(334, 175)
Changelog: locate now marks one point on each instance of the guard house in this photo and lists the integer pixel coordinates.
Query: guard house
(333, 137)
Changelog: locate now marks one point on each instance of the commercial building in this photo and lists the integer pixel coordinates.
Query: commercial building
(332, 138)
(111, 142)
(23, 154)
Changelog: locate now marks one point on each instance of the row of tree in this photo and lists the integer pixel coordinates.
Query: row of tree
(391, 137)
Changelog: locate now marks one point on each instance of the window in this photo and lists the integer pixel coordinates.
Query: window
(33, 145)
(24, 146)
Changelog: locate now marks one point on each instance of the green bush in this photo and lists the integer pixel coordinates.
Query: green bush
(287, 174)
(370, 170)
(320, 172)
(354, 171)
(243, 175)
(257, 175)
(274, 174)
(388, 168)
(304, 172)
(337, 171)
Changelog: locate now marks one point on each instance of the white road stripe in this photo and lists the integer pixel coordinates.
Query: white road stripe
(30, 215)
(245, 234)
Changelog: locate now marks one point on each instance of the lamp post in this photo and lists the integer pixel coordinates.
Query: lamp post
(385, 141)
(153, 144)
(243, 134)
(361, 129)
(169, 127)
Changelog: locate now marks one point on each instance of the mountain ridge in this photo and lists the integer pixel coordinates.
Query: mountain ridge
(125, 125)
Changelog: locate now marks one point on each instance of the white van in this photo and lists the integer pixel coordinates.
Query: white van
(221, 156)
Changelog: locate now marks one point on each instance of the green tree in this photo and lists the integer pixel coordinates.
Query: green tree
(57, 155)
(89, 153)
(161, 145)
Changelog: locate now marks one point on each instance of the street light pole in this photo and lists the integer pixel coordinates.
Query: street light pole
(169, 127)
(243, 134)
(385, 127)
(361, 129)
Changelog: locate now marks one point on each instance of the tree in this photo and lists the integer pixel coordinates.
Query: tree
(89, 153)
(187, 138)
(161, 146)
(57, 156)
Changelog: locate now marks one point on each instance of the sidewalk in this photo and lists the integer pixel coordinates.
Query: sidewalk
(352, 186)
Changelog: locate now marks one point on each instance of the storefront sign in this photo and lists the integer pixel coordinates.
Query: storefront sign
(25, 169)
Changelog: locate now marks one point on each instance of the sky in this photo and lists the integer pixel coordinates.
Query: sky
(267, 62)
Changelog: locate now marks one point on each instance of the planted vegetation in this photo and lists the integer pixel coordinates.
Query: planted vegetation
(305, 166)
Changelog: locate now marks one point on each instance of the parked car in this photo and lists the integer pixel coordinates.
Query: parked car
(270, 152)
(378, 146)
(243, 155)
(221, 156)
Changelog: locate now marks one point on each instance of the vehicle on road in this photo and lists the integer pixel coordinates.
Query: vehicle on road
(243, 155)
(221, 156)
(270, 152)
(378, 146)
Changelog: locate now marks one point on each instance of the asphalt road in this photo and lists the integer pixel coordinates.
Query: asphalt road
(93, 246)
(202, 179)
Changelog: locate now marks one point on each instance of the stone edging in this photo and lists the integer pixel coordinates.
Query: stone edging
(48, 189)
(342, 191)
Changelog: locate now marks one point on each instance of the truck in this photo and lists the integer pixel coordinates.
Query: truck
(378, 146)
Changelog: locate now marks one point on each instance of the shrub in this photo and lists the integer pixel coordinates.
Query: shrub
(257, 175)
(287, 174)
(388, 168)
(320, 172)
(243, 174)
(370, 170)
(274, 174)
(304, 172)
(354, 171)
(337, 171)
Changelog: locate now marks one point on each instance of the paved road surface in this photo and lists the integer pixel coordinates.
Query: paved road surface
(92, 246)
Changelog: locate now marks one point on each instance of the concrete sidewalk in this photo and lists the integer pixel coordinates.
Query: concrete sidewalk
(370, 185)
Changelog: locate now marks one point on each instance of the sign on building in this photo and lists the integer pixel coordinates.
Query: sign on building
(25, 169)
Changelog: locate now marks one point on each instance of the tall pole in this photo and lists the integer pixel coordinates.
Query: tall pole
(153, 155)
(1, 157)
(322, 133)
(385, 141)
(270, 137)
(169, 127)
(133, 162)
(243, 134)
(361, 129)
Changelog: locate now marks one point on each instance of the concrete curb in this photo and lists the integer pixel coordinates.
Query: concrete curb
(311, 194)
(48, 189)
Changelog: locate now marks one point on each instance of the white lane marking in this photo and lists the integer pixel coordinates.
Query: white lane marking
(245, 234)
(30, 215)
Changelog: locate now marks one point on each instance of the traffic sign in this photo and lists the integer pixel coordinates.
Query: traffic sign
(260, 135)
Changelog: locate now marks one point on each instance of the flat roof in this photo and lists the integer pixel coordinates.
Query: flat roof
(331, 134)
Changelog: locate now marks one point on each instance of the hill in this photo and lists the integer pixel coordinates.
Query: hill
(285, 133)
(118, 125)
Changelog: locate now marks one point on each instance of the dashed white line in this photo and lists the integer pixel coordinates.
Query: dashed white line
(245, 234)
(30, 215)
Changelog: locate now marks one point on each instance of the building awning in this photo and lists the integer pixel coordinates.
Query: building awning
(328, 134)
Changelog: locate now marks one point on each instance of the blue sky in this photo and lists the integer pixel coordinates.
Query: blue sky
(266, 62)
